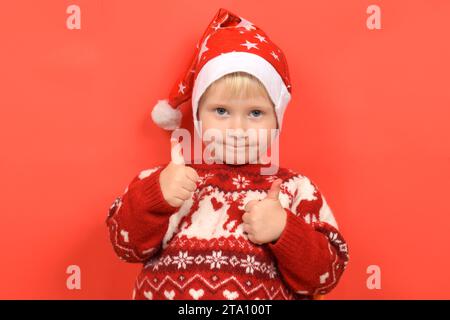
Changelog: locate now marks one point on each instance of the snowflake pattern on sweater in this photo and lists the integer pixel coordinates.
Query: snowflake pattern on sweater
(200, 251)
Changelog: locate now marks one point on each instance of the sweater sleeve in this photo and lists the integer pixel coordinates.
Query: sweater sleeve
(311, 252)
(139, 218)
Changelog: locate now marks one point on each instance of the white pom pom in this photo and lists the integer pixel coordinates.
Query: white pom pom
(165, 116)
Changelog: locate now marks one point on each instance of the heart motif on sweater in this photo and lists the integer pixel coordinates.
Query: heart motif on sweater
(169, 294)
(196, 294)
(230, 295)
(148, 295)
(216, 204)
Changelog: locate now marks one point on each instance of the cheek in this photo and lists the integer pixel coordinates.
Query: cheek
(267, 123)
(210, 122)
(272, 122)
(206, 120)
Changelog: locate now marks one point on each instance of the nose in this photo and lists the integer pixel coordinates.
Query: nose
(237, 122)
(237, 132)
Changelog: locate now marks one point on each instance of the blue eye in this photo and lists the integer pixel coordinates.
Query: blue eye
(221, 111)
(256, 113)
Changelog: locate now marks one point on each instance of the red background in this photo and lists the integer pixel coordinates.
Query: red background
(368, 123)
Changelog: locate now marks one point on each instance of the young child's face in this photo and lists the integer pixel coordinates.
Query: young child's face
(219, 111)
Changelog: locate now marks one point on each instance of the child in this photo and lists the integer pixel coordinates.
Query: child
(224, 230)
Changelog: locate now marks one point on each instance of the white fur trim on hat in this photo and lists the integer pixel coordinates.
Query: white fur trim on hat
(165, 116)
(254, 64)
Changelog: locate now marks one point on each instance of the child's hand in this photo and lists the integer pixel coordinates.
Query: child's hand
(177, 180)
(264, 220)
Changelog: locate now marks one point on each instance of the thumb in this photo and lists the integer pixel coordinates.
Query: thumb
(176, 155)
(248, 207)
(274, 190)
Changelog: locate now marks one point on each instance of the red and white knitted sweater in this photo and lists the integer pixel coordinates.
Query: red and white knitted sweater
(199, 250)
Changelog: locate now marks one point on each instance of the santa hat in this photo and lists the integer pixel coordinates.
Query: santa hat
(229, 44)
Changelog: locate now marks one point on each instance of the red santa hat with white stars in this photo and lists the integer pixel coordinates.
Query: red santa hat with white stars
(229, 44)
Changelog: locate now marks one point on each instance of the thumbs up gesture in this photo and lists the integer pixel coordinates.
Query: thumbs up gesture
(177, 180)
(264, 220)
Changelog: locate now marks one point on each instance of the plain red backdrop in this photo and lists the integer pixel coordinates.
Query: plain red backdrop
(368, 123)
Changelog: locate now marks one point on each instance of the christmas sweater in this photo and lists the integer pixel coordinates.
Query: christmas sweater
(200, 251)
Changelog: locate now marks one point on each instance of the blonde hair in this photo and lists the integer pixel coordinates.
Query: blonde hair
(238, 84)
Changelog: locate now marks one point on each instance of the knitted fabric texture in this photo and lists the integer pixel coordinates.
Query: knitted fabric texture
(199, 250)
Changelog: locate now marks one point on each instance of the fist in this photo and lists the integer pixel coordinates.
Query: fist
(177, 180)
(264, 220)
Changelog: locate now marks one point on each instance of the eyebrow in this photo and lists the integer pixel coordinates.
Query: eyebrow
(217, 102)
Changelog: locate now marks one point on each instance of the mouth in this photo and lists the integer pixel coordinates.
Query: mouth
(236, 145)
